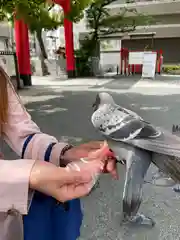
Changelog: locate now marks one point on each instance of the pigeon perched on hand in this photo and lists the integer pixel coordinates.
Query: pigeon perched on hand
(139, 143)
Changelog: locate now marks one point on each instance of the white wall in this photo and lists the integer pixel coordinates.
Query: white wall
(5, 29)
(110, 54)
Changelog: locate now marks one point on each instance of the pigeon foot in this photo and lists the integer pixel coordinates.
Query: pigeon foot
(176, 188)
(140, 220)
(162, 180)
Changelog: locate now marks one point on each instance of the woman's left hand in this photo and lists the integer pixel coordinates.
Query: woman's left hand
(84, 150)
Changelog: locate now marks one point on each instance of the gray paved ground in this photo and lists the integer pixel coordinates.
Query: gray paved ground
(65, 112)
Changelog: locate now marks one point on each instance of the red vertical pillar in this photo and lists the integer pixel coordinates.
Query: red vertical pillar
(121, 60)
(126, 53)
(69, 41)
(23, 51)
(160, 61)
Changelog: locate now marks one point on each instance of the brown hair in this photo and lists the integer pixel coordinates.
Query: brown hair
(3, 98)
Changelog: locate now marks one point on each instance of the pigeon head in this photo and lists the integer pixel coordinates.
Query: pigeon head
(101, 99)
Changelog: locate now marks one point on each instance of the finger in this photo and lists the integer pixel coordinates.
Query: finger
(75, 176)
(111, 168)
(104, 143)
(100, 153)
(111, 154)
(73, 191)
(78, 192)
(92, 145)
(93, 167)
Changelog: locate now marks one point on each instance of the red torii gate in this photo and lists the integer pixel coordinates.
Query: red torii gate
(23, 49)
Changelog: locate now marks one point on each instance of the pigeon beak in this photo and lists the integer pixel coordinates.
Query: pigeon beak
(94, 107)
(96, 103)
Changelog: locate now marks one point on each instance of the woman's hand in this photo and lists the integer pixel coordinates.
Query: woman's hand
(70, 182)
(58, 182)
(83, 151)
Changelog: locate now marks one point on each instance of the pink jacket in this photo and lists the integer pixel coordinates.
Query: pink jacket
(14, 175)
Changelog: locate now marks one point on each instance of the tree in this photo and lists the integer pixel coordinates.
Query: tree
(35, 13)
(42, 20)
(101, 22)
(77, 9)
(38, 16)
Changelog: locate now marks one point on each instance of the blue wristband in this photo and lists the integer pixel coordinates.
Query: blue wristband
(28, 139)
(48, 152)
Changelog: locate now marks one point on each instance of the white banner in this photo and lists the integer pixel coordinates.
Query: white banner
(136, 57)
(110, 58)
(149, 64)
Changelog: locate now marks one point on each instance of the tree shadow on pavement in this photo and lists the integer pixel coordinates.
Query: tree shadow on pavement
(122, 82)
(72, 110)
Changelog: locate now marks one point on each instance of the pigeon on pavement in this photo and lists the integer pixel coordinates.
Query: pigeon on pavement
(139, 143)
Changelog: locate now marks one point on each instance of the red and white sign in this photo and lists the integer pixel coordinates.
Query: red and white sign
(136, 58)
(149, 64)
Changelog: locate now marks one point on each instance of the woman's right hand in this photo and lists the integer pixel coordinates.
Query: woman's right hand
(67, 183)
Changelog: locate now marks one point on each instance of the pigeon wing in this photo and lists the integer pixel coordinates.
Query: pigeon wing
(117, 123)
(166, 143)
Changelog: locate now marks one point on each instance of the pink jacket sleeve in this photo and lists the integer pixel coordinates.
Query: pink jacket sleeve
(14, 175)
(20, 126)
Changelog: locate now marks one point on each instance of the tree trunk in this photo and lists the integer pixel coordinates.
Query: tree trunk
(96, 54)
(43, 54)
(97, 49)
(41, 43)
(95, 39)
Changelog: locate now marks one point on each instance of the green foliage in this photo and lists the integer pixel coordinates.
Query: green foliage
(77, 9)
(171, 69)
(101, 22)
(9, 7)
(83, 58)
(35, 13)
(42, 19)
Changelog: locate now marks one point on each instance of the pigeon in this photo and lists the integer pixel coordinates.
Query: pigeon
(139, 143)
